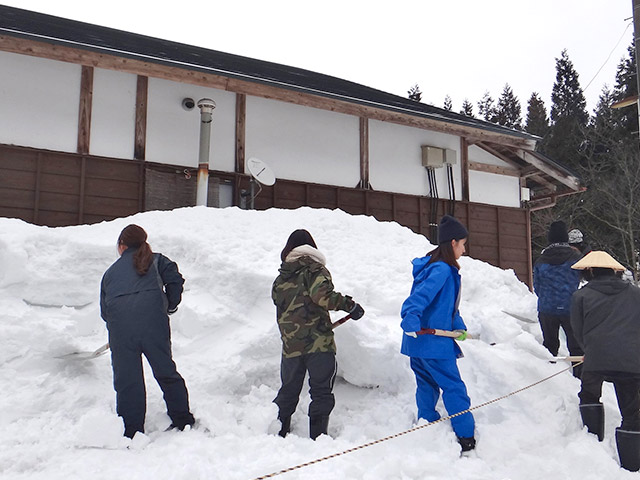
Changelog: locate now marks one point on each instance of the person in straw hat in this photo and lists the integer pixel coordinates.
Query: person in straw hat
(605, 316)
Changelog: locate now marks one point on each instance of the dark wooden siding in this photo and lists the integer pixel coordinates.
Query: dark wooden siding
(57, 189)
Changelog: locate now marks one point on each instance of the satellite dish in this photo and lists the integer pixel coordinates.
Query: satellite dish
(261, 172)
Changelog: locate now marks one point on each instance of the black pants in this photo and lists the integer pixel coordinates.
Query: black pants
(550, 325)
(127, 349)
(627, 392)
(322, 370)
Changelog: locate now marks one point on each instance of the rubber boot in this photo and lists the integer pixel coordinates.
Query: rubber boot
(593, 418)
(286, 426)
(318, 426)
(628, 444)
(467, 444)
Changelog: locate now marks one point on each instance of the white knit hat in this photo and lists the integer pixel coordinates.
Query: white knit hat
(575, 236)
(598, 259)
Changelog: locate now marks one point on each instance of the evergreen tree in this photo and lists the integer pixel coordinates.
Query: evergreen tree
(415, 93)
(507, 113)
(568, 115)
(467, 108)
(486, 109)
(448, 105)
(537, 120)
(626, 87)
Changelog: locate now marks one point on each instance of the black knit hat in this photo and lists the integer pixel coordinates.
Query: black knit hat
(558, 232)
(450, 229)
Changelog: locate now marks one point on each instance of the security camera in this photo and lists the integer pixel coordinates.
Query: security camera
(188, 104)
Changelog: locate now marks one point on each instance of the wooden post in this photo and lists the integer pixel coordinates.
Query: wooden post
(364, 153)
(241, 117)
(464, 168)
(84, 113)
(140, 140)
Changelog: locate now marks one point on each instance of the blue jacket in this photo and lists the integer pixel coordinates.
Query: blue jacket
(133, 302)
(432, 303)
(554, 281)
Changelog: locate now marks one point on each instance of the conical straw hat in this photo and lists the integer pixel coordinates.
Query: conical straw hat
(598, 259)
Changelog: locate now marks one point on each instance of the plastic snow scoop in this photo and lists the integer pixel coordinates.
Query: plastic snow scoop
(570, 358)
(520, 317)
(441, 333)
(337, 323)
(86, 355)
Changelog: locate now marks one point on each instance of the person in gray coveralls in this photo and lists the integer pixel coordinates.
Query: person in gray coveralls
(137, 295)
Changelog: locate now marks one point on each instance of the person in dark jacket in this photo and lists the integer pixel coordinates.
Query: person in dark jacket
(303, 294)
(554, 281)
(605, 315)
(137, 295)
(433, 303)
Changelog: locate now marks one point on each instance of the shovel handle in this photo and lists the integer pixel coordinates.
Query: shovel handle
(337, 323)
(440, 333)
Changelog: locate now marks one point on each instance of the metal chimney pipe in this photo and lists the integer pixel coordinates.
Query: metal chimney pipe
(206, 106)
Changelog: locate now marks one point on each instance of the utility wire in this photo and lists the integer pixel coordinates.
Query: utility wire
(607, 60)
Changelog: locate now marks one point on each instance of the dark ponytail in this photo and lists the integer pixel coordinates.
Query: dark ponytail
(134, 236)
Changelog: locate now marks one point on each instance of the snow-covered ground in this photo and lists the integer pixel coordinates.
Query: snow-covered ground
(57, 415)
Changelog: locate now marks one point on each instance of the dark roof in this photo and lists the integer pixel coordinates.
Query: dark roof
(51, 29)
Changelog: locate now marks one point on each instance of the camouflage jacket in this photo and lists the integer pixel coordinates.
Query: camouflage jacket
(303, 294)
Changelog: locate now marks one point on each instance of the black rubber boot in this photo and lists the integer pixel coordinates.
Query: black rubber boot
(593, 418)
(628, 444)
(467, 443)
(318, 426)
(286, 426)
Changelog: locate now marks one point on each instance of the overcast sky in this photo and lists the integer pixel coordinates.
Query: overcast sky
(461, 48)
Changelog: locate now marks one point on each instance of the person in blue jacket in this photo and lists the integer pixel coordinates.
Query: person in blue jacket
(137, 295)
(554, 282)
(433, 303)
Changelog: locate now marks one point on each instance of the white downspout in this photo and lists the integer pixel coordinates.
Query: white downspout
(206, 106)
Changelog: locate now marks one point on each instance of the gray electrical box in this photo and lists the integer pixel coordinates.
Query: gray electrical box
(450, 156)
(432, 156)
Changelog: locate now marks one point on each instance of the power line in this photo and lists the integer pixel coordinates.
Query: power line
(610, 53)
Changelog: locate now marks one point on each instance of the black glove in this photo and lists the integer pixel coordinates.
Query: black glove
(172, 310)
(356, 312)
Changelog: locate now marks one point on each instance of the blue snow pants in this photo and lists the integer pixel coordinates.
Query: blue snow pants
(433, 375)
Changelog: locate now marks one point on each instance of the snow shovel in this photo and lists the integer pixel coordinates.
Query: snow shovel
(570, 358)
(86, 355)
(520, 317)
(337, 323)
(441, 333)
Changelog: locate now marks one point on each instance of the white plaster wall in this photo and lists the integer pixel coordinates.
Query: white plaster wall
(477, 154)
(490, 188)
(39, 101)
(303, 143)
(494, 189)
(113, 114)
(395, 159)
(173, 134)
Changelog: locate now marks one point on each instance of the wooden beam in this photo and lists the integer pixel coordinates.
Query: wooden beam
(241, 117)
(464, 168)
(257, 87)
(84, 113)
(364, 154)
(570, 181)
(497, 154)
(140, 140)
(484, 167)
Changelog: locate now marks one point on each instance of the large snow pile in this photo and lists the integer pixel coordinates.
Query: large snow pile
(57, 415)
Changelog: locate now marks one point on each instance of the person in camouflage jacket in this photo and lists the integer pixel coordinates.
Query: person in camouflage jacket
(303, 295)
